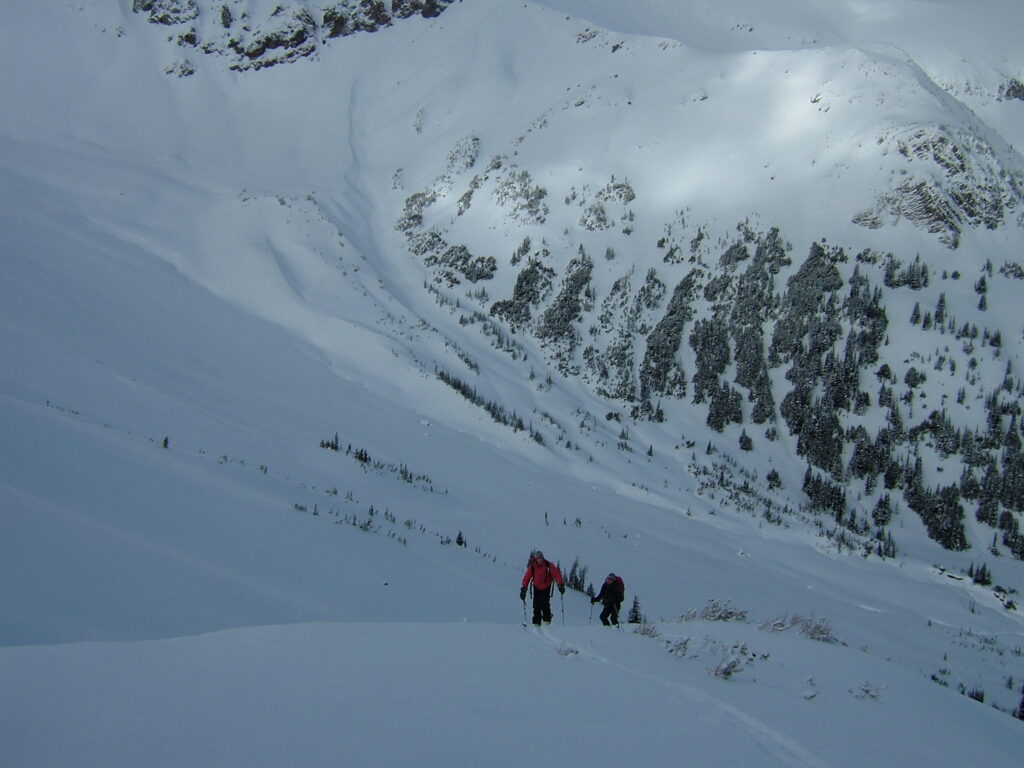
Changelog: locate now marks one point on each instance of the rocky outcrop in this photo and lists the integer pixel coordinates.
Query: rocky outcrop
(285, 38)
(167, 12)
(293, 30)
(1012, 90)
(954, 182)
(351, 16)
(428, 9)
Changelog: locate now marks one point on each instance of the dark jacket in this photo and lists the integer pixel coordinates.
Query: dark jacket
(613, 592)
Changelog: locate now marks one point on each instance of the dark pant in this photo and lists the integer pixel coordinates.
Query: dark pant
(541, 605)
(610, 614)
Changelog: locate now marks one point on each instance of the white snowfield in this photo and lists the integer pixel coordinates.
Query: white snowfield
(471, 693)
(201, 281)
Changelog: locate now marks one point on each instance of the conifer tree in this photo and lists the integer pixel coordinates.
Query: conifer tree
(635, 614)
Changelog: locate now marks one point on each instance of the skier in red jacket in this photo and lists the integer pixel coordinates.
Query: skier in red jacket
(542, 574)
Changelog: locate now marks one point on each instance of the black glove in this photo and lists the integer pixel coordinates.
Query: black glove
(561, 589)
(522, 594)
(593, 600)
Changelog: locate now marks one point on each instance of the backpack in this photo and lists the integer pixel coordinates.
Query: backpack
(619, 587)
(531, 563)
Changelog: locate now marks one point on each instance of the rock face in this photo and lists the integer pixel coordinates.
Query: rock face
(291, 37)
(293, 30)
(1012, 89)
(168, 12)
(955, 182)
(349, 17)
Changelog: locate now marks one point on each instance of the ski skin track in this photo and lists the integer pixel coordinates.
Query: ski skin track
(783, 750)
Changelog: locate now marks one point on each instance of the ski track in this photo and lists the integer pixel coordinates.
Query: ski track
(778, 746)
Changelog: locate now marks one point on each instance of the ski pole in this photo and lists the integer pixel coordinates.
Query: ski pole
(561, 599)
(591, 619)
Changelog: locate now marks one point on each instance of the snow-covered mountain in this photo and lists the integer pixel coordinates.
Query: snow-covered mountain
(317, 317)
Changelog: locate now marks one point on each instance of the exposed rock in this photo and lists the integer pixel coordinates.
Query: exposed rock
(289, 33)
(182, 68)
(291, 38)
(351, 16)
(956, 182)
(167, 12)
(928, 208)
(1012, 89)
(428, 9)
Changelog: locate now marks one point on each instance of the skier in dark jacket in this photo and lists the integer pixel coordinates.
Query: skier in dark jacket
(612, 593)
(543, 574)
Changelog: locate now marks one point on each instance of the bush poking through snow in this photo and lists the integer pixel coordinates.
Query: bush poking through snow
(716, 611)
(815, 629)
(646, 629)
(868, 691)
(734, 660)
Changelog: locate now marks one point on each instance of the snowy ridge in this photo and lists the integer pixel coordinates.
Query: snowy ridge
(316, 317)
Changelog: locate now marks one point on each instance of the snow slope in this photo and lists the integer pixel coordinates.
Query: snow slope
(213, 260)
(444, 694)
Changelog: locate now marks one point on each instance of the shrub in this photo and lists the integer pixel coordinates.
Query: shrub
(716, 611)
(815, 629)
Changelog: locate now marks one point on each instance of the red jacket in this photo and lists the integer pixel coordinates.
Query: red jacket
(542, 573)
